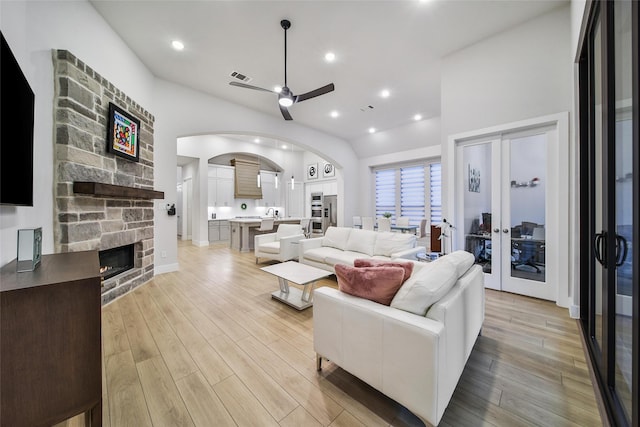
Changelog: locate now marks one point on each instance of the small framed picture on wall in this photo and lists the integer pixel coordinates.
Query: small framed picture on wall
(312, 171)
(328, 170)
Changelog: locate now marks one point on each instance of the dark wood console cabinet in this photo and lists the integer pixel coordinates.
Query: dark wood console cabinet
(50, 355)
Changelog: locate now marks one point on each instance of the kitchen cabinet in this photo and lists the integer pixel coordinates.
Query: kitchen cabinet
(270, 194)
(220, 186)
(218, 231)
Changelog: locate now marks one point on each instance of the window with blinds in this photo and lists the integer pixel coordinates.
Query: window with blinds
(412, 191)
(385, 192)
(435, 192)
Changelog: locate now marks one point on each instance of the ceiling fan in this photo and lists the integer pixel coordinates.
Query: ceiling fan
(286, 98)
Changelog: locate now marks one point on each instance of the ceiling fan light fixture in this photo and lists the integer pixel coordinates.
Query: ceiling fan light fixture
(285, 100)
(177, 45)
(277, 89)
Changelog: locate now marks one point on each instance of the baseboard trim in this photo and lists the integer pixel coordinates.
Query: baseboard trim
(167, 268)
(200, 243)
(574, 311)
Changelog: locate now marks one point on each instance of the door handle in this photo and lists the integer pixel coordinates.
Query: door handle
(505, 230)
(597, 243)
(496, 230)
(621, 255)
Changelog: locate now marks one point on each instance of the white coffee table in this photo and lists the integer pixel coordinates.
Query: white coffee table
(302, 274)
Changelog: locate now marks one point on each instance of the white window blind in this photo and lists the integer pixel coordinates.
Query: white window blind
(385, 191)
(412, 195)
(414, 191)
(435, 191)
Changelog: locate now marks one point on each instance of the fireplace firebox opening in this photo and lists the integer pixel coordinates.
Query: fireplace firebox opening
(116, 260)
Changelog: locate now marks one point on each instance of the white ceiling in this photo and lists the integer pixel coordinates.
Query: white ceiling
(397, 45)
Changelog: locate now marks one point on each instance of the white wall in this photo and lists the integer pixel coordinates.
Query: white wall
(426, 145)
(32, 30)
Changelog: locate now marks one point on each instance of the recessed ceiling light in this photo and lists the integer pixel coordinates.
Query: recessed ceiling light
(329, 56)
(177, 45)
(277, 89)
(284, 146)
(257, 140)
(334, 114)
(385, 93)
(417, 117)
(372, 130)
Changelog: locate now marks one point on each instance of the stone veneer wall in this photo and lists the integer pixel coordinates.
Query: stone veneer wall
(85, 222)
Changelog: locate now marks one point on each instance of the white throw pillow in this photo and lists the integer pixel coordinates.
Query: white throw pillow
(336, 237)
(425, 287)
(462, 260)
(388, 243)
(362, 241)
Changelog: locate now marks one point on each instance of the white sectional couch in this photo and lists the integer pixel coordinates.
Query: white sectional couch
(342, 245)
(414, 350)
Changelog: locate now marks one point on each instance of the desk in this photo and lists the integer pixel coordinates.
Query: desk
(480, 246)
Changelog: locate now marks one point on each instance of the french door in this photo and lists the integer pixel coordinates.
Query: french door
(505, 198)
(610, 203)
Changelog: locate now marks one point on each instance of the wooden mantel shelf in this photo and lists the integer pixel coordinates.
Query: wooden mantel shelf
(120, 191)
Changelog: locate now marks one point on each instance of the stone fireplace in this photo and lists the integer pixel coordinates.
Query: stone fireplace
(97, 219)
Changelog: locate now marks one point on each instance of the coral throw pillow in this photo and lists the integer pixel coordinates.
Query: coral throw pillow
(378, 284)
(364, 262)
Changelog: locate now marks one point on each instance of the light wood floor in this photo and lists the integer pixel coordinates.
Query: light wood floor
(207, 346)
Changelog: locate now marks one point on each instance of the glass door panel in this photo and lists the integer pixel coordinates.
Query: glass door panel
(527, 207)
(624, 204)
(478, 219)
(598, 184)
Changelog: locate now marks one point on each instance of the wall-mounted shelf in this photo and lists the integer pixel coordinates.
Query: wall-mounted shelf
(109, 190)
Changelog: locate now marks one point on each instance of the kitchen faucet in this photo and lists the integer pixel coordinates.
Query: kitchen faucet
(273, 212)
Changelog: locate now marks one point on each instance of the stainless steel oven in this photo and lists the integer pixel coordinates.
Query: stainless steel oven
(316, 205)
(317, 226)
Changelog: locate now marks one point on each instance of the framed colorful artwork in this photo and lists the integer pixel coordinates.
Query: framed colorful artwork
(123, 134)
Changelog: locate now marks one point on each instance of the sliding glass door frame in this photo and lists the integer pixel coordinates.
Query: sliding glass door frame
(604, 247)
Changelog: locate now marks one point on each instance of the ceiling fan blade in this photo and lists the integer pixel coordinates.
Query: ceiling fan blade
(246, 86)
(317, 92)
(285, 113)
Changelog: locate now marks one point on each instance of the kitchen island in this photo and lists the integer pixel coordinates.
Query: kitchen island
(243, 231)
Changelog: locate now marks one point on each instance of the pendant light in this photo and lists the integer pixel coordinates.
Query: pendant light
(292, 182)
(258, 179)
(276, 180)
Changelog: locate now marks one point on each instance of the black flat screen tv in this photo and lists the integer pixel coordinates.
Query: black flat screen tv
(16, 132)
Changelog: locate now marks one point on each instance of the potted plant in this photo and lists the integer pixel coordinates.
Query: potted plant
(387, 214)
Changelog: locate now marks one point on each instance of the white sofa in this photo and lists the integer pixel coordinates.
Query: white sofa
(281, 245)
(342, 245)
(415, 359)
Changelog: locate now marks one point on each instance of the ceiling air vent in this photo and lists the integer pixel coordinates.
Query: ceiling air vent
(240, 76)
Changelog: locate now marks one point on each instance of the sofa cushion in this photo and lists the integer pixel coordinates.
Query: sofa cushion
(288, 230)
(377, 284)
(369, 262)
(343, 257)
(336, 237)
(388, 243)
(270, 248)
(320, 254)
(425, 287)
(462, 260)
(361, 241)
